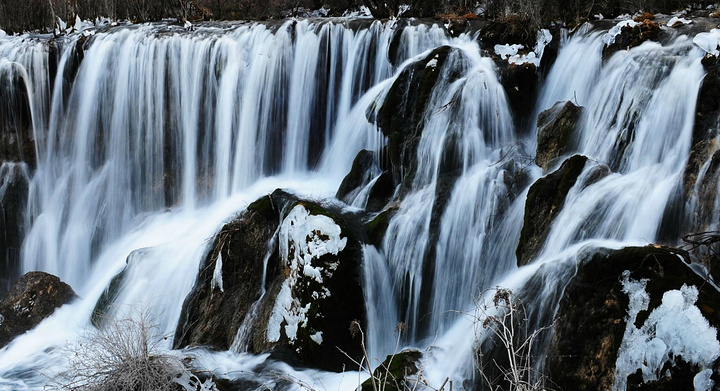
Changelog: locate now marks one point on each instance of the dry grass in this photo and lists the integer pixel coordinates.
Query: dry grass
(125, 355)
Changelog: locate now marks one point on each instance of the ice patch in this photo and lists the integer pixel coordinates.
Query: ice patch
(673, 22)
(302, 238)
(217, 280)
(609, 37)
(675, 328)
(709, 42)
(702, 381)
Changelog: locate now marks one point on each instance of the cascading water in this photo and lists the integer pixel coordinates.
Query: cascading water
(151, 141)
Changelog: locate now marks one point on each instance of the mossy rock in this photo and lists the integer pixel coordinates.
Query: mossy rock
(557, 127)
(392, 374)
(591, 317)
(378, 226)
(545, 200)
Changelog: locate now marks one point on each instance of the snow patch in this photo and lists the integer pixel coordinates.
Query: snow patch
(217, 280)
(433, 63)
(303, 238)
(317, 338)
(543, 39)
(3, 34)
(678, 22)
(675, 328)
(361, 12)
(709, 42)
(609, 37)
(510, 54)
(188, 25)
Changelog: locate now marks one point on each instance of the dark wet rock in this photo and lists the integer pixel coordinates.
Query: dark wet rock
(520, 82)
(104, 306)
(33, 298)
(328, 294)
(379, 225)
(14, 189)
(392, 374)
(704, 147)
(17, 141)
(545, 200)
(360, 174)
(591, 318)
(400, 114)
(630, 37)
(556, 128)
(551, 52)
(381, 192)
(513, 30)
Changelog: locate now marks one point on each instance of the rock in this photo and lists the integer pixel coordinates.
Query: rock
(591, 317)
(381, 192)
(33, 298)
(545, 200)
(399, 116)
(17, 141)
(14, 189)
(556, 129)
(513, 30)
(705, 147)
(360, 174)
(310, 258)
(630, 37)
(392, 374)
(520, 82)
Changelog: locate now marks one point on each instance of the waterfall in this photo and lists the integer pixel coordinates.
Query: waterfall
(148, 138)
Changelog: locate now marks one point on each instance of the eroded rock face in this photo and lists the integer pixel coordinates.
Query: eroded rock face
(33, 298)
(283, 277)
(545, 200)
(591, 318)
(556, 129)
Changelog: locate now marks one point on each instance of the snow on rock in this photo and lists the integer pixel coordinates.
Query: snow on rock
(675, 328)
(709, 42)
(361, 12)
(303, 238)
(510, 54)
(609, 37)
(678, 22)
(3, 34)
(433, 63)
(543, 39)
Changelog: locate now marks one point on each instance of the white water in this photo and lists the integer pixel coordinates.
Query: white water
(232, 113)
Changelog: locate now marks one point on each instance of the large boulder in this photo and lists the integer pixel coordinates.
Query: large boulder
(394, 373)
(591, 327)
(556, 128)
(33, 298)
(283, 277)
(545, 200)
